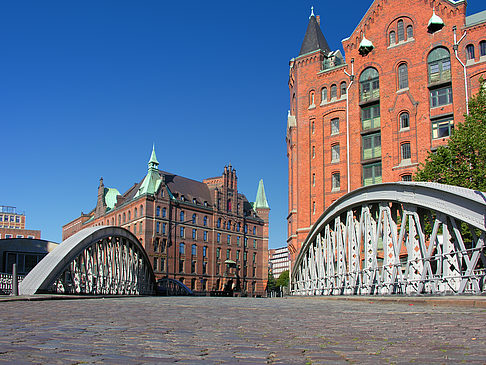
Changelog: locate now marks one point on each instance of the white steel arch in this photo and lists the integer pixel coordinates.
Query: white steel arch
(396, 238)
(96, 260)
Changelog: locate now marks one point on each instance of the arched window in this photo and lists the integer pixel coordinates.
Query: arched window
(254, 230)
(136, 212)
(194, 218)
(141, 211)
(402, 76)
(119, 219)
(369, 84)
(194, 250)
(157, 212)
(205, 220)
(228, 225)
(409, 31)
(333, 92)
(482, 48)
(343, 88)
(392, 37)
(219, 223)
(470, 52)
(293, 107)
(400, 31)
(124, 218)
(181, 248)
(404, 121)
(312, 96)
(324, 95)
(129, 215)
(181, 216)
(140, 227)
(439, 65)
(164, 212)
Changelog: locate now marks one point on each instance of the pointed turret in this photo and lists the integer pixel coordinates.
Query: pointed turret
(365, 47)
(152, 181)
(435, 23)
(261, 199)
(313, 39)
(100, 203)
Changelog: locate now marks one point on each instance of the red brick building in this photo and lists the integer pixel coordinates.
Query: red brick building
(12, 224)
(372, 114)
(205, 234)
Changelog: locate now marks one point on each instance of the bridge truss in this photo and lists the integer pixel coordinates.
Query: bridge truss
(97, 260)
(397, 238)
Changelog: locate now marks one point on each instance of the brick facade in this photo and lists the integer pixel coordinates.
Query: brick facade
(384, 107)
(192, 231)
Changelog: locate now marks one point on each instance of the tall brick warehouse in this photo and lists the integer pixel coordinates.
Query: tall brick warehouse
(204, 234)
(372, 114)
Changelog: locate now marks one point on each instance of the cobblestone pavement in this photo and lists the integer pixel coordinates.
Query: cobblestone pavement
(205, 330)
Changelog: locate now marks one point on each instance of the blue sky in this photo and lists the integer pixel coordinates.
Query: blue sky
(87, 87)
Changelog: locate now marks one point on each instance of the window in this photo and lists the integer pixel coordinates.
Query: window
(407, 177)
(404, 121)
(336, 181)
(205, 251)
(343, 88)
(129, 216)
(311, 99)
(124, 218)
(254, 230)
(439, 97)
(158, 227)
(228, 239)
(254, 257)
(181, 217)
(334, 126)
(409, 31)
(205, 236)
(369, 84)
(228, 225)
(181, 265)
(238, 227)
(218, 252)
(370, 116)
(400, 31)
(335, 153)
(324, 95)
(237, 241)
(219, 223)
(194, 250)
(254, 245)
(482, 48)
(442, 127)
(403, 76)
(205, 221)
(181, 248)
(405, 151)
(164, 212)
(228, 254)
(194, 218)
(313, 207)
(470, 52)
(238, 255)
(218, 238)
(314, 179)
(313, 151)
(164, 225)
(181, 232)
(157, 213)
(313, 127)
(392, 37)
(333, 92)
(439, 65)
(141, 211)
(140, 227)
(134, 228)
(228, 205)
(372, 174)
(371, 146)
(194, 234)
(204, 270)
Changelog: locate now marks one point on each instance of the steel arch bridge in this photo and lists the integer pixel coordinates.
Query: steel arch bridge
(396, 238)
(96, 260)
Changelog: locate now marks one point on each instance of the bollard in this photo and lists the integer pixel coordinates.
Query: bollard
(15, 281)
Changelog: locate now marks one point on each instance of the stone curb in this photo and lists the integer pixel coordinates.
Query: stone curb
(449, 301)
(41, 297)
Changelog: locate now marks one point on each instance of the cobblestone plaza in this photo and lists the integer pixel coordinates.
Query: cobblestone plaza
(204, 330)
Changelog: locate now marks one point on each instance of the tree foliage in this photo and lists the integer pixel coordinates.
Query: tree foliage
(283, 279)
(271, 283)
(462, 162)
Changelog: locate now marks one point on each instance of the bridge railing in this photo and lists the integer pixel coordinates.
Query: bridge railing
(6, 283)
(401, 238)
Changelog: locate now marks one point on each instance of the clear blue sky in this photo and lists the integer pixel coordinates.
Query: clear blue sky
(86, 87)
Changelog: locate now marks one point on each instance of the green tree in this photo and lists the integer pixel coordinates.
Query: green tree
(462, 162)
(271, 283)
(283, 279)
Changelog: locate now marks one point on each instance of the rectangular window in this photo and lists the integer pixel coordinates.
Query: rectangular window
(155, 264)
(164, 225)
(313, 179)
(228, 239)
(193, 266)
(372, 146)
(181, 265)
(370, 89)
(205, 236)
(237, 255)
(237, 241)
(228, 254)
(440, 70)
(334, 126)
(205, 251)
(158, 227)
(204, 270)
(335, 153)
(336, 181)
(218, 238)
(218, 253)
(405, 151)
(442, 127)
(254, 245)
(439, 97)
(372, 174)
(182, 232)
(194, 235)
(370, 117)
(313, 151)
(404, 121)
(407, 177)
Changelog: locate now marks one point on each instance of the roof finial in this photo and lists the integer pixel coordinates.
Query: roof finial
(312, 12)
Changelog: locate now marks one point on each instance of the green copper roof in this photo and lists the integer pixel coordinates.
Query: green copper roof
(152, 180)
(261, 199)
(110, 197)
